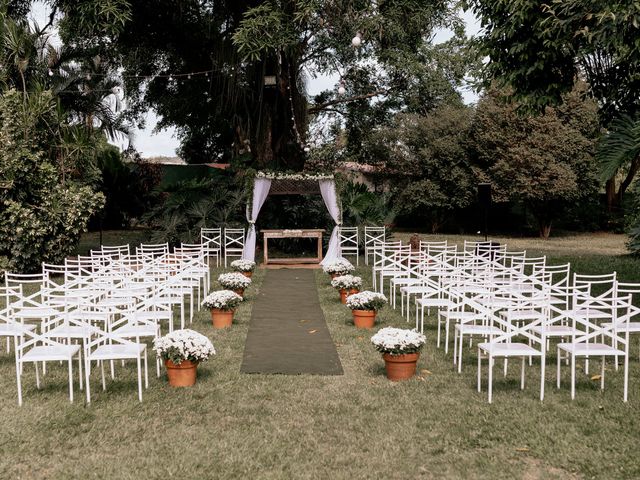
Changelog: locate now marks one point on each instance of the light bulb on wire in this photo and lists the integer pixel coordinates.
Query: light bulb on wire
(341, 89)
(357, 40)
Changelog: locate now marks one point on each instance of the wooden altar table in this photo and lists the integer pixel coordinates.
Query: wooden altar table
(292, 233)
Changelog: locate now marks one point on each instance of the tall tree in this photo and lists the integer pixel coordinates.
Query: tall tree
(539, 49)
(545, 161)
(233, 107)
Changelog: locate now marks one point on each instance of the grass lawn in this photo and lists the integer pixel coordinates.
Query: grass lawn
(357, 425)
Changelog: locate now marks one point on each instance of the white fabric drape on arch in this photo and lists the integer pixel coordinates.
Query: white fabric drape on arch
(330, 197)
(261, 188)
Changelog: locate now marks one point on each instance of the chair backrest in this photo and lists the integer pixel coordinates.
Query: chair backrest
(211, 238)
(119, 249)
(601, 286)
(374, 235)
(348, 237)
(617, 308)
(233, 239)
(153, 249)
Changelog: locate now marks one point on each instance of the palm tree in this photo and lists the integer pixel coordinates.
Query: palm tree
(619, 151)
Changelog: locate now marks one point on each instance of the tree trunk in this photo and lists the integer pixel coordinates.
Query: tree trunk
(276, 143)
(544, 228)
(612, 198)
(633, 170)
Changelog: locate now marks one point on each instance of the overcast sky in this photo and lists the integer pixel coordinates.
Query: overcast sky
(164, 143)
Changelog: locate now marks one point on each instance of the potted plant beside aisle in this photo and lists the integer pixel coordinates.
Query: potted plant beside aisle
(245, 267)
(182, 352)
(347, 285)
(338, 268)
(234, 281)
(364, 306)
(222, 304)
(400, 350)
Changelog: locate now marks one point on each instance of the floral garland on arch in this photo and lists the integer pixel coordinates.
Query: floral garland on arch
(293, 176)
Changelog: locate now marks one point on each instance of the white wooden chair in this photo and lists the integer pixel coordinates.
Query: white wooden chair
(599, 339)
(372, 237)
(233, 243)
(211, 238)
(349, 242)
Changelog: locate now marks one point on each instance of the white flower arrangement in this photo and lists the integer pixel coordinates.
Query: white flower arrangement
(366, 300)
(234, 281)
(339, 267)
(181, 345)
(398, 341)
(243, 265)
(222, 300)
(346, 282)
(293, 176)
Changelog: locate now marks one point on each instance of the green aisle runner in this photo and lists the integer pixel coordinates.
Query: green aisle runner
(288, 333)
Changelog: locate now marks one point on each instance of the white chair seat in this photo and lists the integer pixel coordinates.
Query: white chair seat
(50, 353)
(509, 349)
(11, 329)
(117, 351)
(464, 316)
(36, 312)
(592, 313)
(129, 330)
(554, 330)
(519, 315)
(152, 315)
(634, 327)
(470, 329)
(405, 281)
(590, 349)
(71, 331)
(417, 289)
(434, 302)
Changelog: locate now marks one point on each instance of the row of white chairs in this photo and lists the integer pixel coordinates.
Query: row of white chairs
(513, 304)
(227, 243)
(100, 308)
(350, 241)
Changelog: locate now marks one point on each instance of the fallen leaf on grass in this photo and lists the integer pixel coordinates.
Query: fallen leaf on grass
(421, 379)
(522, 449)
(359, 338)
(425, 371)
(596, 377)
(304, 321)
(313, 331)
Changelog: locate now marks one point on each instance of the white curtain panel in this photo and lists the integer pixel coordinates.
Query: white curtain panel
(330, 197)
(261, 188)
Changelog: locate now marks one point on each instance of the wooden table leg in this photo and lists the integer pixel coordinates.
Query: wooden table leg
(265, 254)
(319, 248)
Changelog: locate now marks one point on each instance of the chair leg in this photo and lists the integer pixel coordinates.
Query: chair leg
(70, 380)
(490, 377)
(542, 376)
(19, 381)
(139, 379)
(479, 370)
(146, 370)
(626, 376)
(522, 374)
(558, 363)
(573, 376)
(87, 367)
(37, 375)
(104, 384)
(602, 362)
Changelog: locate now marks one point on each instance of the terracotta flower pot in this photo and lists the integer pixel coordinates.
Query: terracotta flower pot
(221, 318)
(240, 292)
(364, 318)
(344, 294)
(247, 274)
(400, 367)
(182, 375)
